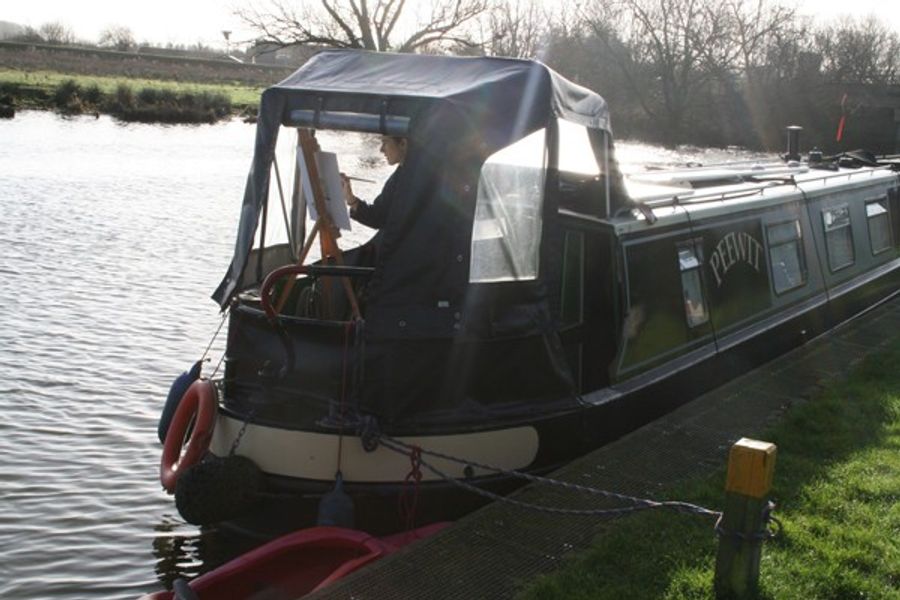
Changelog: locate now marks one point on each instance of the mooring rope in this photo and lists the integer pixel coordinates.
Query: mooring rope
(344, 384)
(638, 504)
(213, 340)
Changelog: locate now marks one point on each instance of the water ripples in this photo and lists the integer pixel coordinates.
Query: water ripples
(111, 240)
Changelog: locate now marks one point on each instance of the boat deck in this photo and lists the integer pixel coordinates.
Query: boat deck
(494, 551)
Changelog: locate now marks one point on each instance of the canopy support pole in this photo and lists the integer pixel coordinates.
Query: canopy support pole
(287, 222)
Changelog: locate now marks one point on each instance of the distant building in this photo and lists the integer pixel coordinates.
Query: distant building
(263, 53)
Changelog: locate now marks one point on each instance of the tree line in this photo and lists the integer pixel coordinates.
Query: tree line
(704, 72)
(708, 72)
(113, 37)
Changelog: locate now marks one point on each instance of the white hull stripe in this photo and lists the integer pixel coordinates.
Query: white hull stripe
(309, 455)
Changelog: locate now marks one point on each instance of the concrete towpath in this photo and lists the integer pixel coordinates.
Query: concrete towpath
(494, 551)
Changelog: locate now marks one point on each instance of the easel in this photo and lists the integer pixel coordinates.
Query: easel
(324, 228)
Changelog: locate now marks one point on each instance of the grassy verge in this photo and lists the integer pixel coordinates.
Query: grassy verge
(837, 485)
(153, 100)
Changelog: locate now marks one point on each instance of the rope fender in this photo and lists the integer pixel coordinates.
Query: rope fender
(198, 401)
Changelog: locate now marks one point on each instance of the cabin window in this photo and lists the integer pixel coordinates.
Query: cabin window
(786, 256)
(575, 152)
(690, 257)
(879, 218)
(506, 233)
(583, 160)
(893, 195)
(838, 237)
(572, 291)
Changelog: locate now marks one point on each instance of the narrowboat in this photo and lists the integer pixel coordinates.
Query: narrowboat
(522, 303)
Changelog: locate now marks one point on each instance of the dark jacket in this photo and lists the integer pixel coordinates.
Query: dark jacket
(374, 215)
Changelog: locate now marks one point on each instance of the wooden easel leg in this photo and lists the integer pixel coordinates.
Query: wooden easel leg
(323, 227)
(289, 284)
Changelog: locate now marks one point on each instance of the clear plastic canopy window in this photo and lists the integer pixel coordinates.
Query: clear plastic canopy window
(506, 233)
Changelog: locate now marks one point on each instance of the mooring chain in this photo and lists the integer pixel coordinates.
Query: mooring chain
(770, 527)
(769, 519)
(237, 440)
(409, 495)
(638, 504)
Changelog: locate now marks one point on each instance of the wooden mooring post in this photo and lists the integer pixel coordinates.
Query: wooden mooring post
(742, 528)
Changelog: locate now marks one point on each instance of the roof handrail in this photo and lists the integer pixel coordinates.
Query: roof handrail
(743, 193)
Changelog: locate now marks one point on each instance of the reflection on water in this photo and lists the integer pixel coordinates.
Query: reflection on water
(186, 555)
(112, 238)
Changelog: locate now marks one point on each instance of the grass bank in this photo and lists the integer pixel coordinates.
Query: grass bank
(837, 485)
(130, 99)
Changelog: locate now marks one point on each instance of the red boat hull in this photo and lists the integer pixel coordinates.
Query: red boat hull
(298, 563)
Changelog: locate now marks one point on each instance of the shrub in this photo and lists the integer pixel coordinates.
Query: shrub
(167, 106)
(122, 100)
(71, 99)
(148, 96)
(92, 95)
(168, 97)
(66, 92)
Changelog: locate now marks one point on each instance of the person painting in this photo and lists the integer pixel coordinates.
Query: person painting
(374, 215)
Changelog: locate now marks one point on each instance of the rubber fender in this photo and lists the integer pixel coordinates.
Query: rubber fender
(176, 393)
(218, 489)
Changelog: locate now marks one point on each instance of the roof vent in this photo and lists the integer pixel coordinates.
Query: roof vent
(793, 148)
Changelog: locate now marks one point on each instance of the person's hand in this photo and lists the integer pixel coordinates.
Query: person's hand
(349, 198)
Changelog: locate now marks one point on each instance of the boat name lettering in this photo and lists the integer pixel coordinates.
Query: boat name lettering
(734, 247)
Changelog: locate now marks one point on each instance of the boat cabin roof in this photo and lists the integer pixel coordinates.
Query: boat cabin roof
(694, 194)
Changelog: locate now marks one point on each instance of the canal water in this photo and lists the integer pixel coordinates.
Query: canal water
(112, 238)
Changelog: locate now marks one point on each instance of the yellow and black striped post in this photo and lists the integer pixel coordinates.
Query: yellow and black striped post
(742, 529)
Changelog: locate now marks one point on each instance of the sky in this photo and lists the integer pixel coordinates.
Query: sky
(156, 21)
(191, 21)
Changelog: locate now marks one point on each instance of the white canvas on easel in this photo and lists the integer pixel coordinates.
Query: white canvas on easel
(330, 181)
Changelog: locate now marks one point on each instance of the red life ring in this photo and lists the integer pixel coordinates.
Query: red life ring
(199, 400)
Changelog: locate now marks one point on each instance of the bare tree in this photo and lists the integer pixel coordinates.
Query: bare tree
(56, 33)
(517, 28)
(29, 34)
(381, 25)
(758, 55)
(758, 27)
(667, 51)
(118, 37)
(864, 51)
(788, 52)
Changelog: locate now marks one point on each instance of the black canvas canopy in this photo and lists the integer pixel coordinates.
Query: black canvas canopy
(456, 112)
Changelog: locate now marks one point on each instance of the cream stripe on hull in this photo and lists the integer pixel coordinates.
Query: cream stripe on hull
(310, 455)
